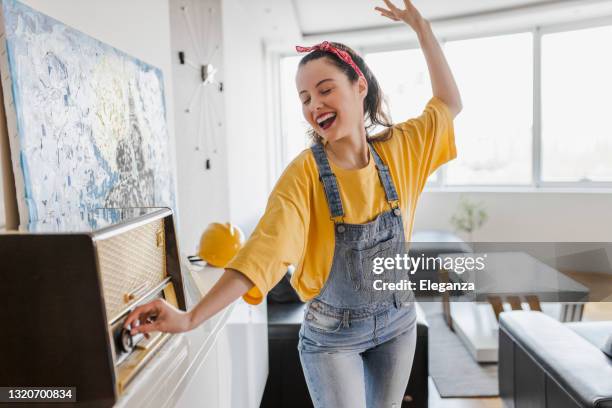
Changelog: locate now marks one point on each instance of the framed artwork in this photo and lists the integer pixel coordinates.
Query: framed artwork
(86, 122)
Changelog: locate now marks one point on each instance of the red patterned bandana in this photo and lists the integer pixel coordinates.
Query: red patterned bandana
(327, 47)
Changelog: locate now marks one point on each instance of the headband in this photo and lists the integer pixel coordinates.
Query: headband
(327, 47)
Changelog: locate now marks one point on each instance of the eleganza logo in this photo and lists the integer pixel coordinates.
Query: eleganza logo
(405, 284)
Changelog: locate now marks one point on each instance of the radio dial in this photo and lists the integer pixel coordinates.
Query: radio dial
(126, 342)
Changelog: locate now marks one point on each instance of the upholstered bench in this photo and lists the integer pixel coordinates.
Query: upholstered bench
(286, 386)
(548, 364)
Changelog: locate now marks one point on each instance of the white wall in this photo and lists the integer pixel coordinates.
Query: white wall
(237, 185)
(526, 216)
(203, 193)
(248, 140)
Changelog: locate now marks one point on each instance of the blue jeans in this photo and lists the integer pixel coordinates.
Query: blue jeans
(360, 362)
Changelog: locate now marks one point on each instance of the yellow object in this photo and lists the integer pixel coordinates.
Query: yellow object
(219, 243)
(296, 228)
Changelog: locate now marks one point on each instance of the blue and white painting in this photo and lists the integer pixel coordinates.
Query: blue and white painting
(87, 122)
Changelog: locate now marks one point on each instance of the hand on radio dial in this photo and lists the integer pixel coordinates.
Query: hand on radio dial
(157, 315)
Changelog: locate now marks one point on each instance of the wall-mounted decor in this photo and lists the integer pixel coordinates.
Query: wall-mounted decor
(200, 69)
(86, 122)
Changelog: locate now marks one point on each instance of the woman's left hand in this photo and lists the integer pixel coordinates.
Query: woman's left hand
(410, 15)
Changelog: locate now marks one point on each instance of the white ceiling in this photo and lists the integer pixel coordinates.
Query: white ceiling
(284, 23)
(326, 16)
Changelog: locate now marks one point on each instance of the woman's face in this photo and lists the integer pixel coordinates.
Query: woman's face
(331, 103)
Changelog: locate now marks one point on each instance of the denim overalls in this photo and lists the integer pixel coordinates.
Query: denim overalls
(356, 343)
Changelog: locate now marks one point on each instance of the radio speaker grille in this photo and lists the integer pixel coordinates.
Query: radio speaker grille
(131, 262)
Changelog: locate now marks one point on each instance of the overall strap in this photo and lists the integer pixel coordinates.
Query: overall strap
(385, 179)
(330, 184)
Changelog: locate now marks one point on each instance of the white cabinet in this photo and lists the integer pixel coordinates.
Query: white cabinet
(241, 351)
(242, 347)
(221, 364)
(202, 389)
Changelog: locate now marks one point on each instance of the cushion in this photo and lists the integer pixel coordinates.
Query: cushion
(598, 333)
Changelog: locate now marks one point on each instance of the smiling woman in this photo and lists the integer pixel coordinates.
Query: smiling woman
(340, 66)
(348, 198)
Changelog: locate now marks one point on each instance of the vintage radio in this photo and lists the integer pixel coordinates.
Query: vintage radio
(67, 286)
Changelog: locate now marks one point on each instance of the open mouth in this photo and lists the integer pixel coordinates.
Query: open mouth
(326, 120)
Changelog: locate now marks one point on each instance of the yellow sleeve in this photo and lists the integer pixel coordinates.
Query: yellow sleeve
(430, 140)
(279, 238)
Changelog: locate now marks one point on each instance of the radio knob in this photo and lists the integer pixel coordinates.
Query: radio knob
(125, 341)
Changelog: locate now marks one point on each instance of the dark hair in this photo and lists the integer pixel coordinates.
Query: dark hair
(375, 113)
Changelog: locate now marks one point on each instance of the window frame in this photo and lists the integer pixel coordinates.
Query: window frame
(537, 184)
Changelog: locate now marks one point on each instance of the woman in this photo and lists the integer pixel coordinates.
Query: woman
(337, 207)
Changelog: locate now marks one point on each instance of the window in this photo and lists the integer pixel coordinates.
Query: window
(494, 130)
(576, 88)
(494, 76)
(404, 79)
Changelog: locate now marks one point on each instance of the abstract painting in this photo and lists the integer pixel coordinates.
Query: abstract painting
(86, 122)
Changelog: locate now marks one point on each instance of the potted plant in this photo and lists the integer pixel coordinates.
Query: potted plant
(469, 216)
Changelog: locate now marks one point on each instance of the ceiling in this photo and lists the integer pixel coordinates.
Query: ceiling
(284, 23)
(325, 16)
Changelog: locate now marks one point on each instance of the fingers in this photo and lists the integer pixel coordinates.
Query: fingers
(408, 4)
(145, 328)
(386, 13)
(391, 6)
(145, 314)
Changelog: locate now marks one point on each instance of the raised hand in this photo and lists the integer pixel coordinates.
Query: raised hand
(410, 15)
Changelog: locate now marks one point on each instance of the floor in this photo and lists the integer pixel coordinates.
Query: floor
(600, 288)
(436, 402)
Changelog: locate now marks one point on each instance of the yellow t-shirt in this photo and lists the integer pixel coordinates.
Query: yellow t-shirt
(296, 228)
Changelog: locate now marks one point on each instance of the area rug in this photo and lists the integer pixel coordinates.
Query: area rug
(454, 371)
